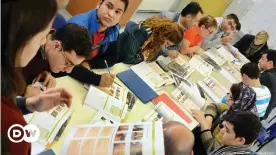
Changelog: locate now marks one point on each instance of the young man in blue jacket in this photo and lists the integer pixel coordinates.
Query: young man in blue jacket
(102, 24)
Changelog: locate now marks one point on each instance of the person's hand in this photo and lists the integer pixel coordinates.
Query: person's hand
(199, 116)
(32, 91)
(49, 99)
(173, 54)
(49, 80)
(225, 40)
(107, 80)
(86, 65)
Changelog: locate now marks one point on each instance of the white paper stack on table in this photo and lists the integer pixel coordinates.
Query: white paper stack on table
(152, 75)
(213, 88)
(49, 124)
(114, 108)
(188, 96)
(201, 66)
(117, 139)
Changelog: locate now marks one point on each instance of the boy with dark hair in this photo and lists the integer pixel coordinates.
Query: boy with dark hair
(267, 65)
(103, 26)
(64, 48)
(250, 76)
(189, 17)
(239, 130)
(228, 26)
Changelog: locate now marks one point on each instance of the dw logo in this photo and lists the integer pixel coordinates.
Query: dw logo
(17, 133)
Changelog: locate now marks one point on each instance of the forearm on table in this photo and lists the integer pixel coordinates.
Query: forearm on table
(85, 76)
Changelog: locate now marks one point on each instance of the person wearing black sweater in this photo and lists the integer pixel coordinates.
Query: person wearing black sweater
(253, 47)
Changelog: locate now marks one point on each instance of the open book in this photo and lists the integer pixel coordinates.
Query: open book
(177, 66)
(167, 109)
(213, 59)
(152, 75)
(50, 125)
(231, 73)
(117, 139)
(189, 96)
(213, 88)
(106, 103)
(201, 66)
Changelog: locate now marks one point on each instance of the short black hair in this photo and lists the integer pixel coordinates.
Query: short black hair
(74, 37)
(246, 125)
(192, 9)
(125, 1)
(236, 20)
(251, 70)
(271, 56)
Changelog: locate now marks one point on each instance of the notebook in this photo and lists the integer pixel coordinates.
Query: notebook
(143, 91)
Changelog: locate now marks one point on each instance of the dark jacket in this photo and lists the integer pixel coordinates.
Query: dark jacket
(268, 78)
(131, 41)
(244, 43)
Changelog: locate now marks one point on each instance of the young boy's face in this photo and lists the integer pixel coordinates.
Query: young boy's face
(110, 12)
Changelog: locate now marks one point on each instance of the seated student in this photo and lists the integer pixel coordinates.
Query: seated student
(250, 76)
(144, 41)
(189, 17)
(251, 46)
(193, 37)
(64, 48)
(102, 24)
(239, 130)
(179, 140)
(267, 64)
(225, 35)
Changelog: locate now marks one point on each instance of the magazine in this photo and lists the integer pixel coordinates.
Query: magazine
(231, 73)
(167, 109)
(115, 139)
(101, 101)
(57, 118)
(201, 66)
(189, 96)
(213, 88)
(152, 75)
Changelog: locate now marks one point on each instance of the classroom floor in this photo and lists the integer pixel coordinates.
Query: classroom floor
(267, 150)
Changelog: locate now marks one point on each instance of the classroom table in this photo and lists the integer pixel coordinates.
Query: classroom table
(83, 114)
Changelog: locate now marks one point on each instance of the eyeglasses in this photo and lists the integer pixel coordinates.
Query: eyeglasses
(67, 62)
(230, 96)
(210, 32)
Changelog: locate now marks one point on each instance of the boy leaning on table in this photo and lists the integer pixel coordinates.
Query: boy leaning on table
(103, 26)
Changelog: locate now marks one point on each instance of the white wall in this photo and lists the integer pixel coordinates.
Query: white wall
(256, 15)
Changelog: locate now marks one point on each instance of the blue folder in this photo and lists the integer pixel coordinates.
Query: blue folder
(142, 90)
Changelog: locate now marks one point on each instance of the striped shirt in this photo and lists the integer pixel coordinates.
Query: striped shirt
(262, 99)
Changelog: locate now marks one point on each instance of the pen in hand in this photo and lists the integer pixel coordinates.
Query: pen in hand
(107, 66)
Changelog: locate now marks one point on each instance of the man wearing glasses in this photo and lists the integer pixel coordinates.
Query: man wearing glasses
(64, 48)
(227, 27)
(193, 37)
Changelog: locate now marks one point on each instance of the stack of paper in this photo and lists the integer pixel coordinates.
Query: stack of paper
(49, 129)
(117, 139)
(213, 88)
(106, 103)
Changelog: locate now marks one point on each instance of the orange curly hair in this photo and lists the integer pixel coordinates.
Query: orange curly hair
(162, 29)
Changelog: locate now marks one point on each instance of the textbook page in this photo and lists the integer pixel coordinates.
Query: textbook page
(225, 54)
(117, 139)
(212, 53)
(100, 100)
(188, 94)
(213, 88)
(49, 129)
(233, 71)
(149, 76)
(201, 66)
(164, 75)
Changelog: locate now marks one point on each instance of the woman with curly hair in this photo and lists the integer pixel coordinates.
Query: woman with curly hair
(144, 41)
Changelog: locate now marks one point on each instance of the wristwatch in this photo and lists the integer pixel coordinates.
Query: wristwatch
(20, 101)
